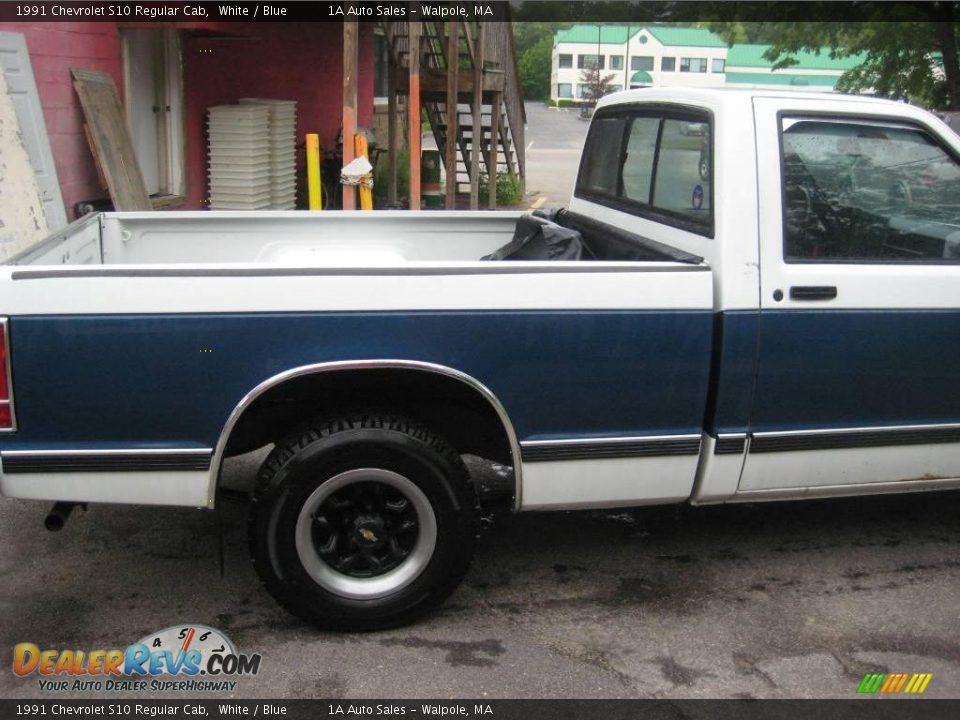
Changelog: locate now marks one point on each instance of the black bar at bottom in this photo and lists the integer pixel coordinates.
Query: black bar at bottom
(871, 706)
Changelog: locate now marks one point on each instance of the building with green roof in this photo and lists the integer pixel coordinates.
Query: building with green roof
(747, 66)
(679, 55)
(673, 36)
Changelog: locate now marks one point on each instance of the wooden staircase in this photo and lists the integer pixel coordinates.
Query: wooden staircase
(501, 103)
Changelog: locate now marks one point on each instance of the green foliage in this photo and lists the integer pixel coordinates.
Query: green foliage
(528, 34)
(910, 51)
(381, 173)
(508, 188)
(534, 67)
(744, 32)
(562, 102)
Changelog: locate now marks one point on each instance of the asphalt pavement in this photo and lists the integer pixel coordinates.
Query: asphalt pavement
(768, 600)
(554, 140)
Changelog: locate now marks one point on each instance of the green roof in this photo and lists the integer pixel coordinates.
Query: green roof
(611, 34)
(752, 56)
(692, 36)
(617, 35)
(782, 78)
(641, 76)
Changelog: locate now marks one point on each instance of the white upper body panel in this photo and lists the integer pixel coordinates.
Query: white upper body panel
(744, 156)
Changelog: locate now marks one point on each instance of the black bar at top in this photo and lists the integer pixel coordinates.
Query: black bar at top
(597, 11)
(244, 11)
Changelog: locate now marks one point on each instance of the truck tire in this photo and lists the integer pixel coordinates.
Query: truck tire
(363, 522)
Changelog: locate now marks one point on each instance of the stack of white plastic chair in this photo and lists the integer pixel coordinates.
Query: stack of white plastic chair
(283, 151)
(240, 160)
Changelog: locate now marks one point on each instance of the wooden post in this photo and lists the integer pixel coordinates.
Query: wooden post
(413, 98)
(453, 71)
(350, 62)
(494, 144)
(477, 124)
(392, 138)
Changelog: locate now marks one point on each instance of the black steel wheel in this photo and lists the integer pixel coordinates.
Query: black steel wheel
(363, 522)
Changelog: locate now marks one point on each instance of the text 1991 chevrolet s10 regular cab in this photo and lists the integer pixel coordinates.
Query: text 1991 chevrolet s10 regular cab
(751, 296)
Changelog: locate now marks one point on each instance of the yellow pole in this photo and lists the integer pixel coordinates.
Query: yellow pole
(313, 171)
(366, 193)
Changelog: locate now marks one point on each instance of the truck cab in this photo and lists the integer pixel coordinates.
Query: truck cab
(832, 225)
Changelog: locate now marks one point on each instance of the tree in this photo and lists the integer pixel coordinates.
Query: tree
(908, 51)
(597, 83)
(528, 34)
(534, 66)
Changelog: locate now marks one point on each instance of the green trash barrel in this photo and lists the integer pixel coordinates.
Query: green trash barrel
(430, 187)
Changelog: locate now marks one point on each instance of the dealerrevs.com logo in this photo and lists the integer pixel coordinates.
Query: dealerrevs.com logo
(183, 657)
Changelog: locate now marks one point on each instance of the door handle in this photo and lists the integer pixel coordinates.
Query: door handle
(813, 292)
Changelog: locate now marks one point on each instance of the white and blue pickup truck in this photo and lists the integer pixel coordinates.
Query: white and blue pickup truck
(751, 296)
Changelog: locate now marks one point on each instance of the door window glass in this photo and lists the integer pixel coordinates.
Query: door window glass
(861, 190)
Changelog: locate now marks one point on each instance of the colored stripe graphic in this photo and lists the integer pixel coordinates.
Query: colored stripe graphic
(871, 682)
(894, 683)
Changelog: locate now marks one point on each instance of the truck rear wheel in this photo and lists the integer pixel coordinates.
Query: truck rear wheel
(363, 522)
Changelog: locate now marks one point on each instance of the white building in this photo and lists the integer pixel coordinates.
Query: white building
(637, 56)
(663, 56)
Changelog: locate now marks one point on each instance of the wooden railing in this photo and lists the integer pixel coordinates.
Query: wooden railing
(499, 57)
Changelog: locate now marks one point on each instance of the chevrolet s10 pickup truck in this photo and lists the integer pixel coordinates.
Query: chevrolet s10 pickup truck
(751, 296)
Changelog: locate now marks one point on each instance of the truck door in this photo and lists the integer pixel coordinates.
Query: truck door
(859, 382)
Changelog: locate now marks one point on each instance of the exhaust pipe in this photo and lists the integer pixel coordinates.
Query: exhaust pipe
(57, 517)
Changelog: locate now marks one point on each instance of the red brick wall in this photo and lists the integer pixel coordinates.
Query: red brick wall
(302, 62)
(280, 60)
(55, 48)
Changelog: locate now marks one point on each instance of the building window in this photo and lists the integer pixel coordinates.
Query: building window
(718, 65)
(641, 62)
(693, 65)
(565, 90)
(668, 64)
(616, 62)
(616, 88)
(590, 61)
(566, 60)
(584, 92)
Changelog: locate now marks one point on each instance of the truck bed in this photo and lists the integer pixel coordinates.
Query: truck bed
(286, 238)
(298, 239)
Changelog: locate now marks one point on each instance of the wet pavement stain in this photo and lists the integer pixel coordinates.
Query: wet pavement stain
(678, 674)
(458, 652)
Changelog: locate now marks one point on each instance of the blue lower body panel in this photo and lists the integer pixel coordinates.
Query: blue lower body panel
(848, 368)
(172, 380)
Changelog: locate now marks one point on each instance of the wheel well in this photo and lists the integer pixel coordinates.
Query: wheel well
(461, 413)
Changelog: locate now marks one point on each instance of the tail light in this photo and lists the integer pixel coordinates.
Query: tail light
(7, 418)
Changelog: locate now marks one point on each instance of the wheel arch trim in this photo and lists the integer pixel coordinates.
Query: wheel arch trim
(347, 365)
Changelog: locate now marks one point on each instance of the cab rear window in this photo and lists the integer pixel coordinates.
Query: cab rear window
(655, 164)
